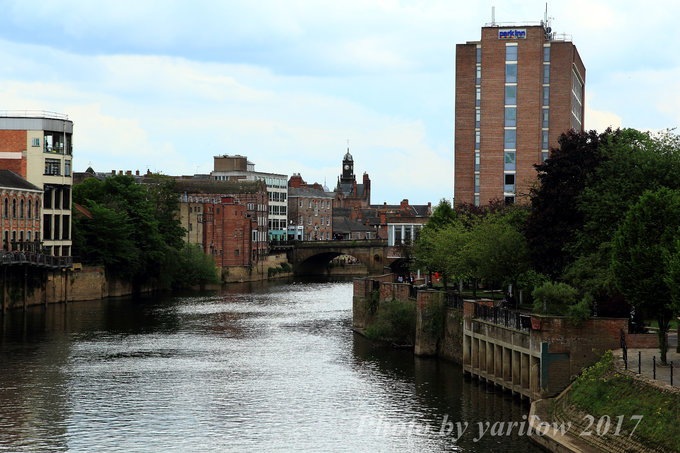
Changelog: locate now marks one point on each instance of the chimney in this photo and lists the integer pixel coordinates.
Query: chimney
(128, 172)
(113, 172)
(137, 172)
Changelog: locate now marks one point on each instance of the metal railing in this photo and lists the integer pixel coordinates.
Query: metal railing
(36, 259)
(512, 319)
(33, 114)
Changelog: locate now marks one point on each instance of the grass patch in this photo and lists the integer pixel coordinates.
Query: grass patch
(601, 390)
(396, 323)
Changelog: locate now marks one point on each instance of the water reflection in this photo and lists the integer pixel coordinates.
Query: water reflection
(251, 367)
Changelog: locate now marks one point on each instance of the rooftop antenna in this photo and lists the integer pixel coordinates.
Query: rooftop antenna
(493, 16)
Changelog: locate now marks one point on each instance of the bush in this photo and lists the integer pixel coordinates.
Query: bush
(554, 298)
(581, 311)
(396, 323)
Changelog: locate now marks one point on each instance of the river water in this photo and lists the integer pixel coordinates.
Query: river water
(267, 367)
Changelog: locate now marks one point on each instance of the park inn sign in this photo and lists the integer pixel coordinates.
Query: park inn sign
(512, 33)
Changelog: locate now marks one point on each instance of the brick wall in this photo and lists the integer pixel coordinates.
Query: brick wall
(12, 142)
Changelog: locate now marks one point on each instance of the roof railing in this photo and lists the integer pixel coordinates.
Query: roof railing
(33, 114)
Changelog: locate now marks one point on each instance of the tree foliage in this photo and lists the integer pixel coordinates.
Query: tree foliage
(135, 232)
(642, 247)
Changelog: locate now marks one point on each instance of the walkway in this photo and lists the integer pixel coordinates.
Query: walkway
(647, 365)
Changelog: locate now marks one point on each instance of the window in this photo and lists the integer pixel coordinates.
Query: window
(546, 117)
(477, 183)
(544, 155)
(30, 209)
(478, 77)
(14, 208)
(67, 168)
(511, 95)
(509, 160)
(21, 209)
(478, 117)
(477, 139)
(510, 116)
(510, 73)
(509, 185)
(510, 53)
(37, 209)
(310, 204)
(478, 96)
(476, 200)
(477, 157)
(236, 252)
(309, 220)
(52, 167)
(66, 197)
(328, 221)
(546, 54)
(510, 139)
(544, 139)
(28, 236)
(546, 95)
(6, 210)
(36, 141)
(546, 73)
(479, 55)
(509, 200)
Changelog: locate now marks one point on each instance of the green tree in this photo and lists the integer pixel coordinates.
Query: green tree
(555, 218)
(643, 246)
(442, 215)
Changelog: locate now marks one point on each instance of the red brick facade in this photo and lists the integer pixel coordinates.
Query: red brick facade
(228, 236)
(20, 218)
(13, 141)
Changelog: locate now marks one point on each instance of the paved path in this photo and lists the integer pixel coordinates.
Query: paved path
(647, 366)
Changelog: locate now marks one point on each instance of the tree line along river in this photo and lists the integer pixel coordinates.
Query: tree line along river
(262, 367)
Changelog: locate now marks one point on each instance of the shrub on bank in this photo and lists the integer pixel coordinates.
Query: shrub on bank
(396, 323)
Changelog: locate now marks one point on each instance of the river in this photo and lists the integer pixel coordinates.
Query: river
(264, 367)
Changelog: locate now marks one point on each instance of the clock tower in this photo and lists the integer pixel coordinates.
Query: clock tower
(347, 169)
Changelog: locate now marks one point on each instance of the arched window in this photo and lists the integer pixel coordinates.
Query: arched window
(6, 211)
(37, 209)
(28, 235)
(14, 208)
(21, 209)
(21, 236)
(5, 240)
(29, 215)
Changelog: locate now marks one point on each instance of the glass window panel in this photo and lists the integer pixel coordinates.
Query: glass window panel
(546, 117)
(510, 73)
(509, 185)
(546, 53)
(546, 95)
(511, 95)
(478, 96)
(544, 154)
(479, 74)
(510, 116)
(545, 139)
(479, 54)
(509, 161)
(476, 200)
(510, 139)
(510, 53)
(478, 117)
(546, 73)
(477, 159)
(477, 183)
(477, 139)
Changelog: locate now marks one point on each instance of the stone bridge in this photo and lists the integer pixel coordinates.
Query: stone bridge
(312, 257)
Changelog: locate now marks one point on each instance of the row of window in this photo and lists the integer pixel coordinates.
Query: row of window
(25, 207)
(478, 116)
(53, 167)
(277, 210)
(277, 196)
(322, 220)
(510, 120)
(316, 204)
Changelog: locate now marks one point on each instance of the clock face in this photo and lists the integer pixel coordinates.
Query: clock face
(346, 166)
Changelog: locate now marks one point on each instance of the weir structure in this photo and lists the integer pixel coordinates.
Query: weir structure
(529, 355)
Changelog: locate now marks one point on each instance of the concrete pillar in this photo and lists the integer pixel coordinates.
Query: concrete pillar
(534, 377)
(498, 361)
(475, 354)
(507, 364)
(490, 358)
(467, 349)
(516, 368)
(525, 371)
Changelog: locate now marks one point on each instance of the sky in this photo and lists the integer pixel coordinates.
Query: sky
(166, 85)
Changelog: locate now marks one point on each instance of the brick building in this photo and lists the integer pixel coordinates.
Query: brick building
(349, 194)
(21, 204)
(313, 210)
(228, 220)
(517, 90)
(238, 168)
(37, 146)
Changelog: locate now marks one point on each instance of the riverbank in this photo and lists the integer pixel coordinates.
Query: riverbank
(611, 409)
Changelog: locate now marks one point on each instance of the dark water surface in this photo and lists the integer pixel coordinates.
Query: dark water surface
(251, 368)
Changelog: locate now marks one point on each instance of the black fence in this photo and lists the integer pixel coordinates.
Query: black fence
(503, 317)
(454, 300)
(35, 259)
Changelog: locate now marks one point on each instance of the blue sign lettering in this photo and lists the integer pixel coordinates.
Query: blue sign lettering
(513, 33)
